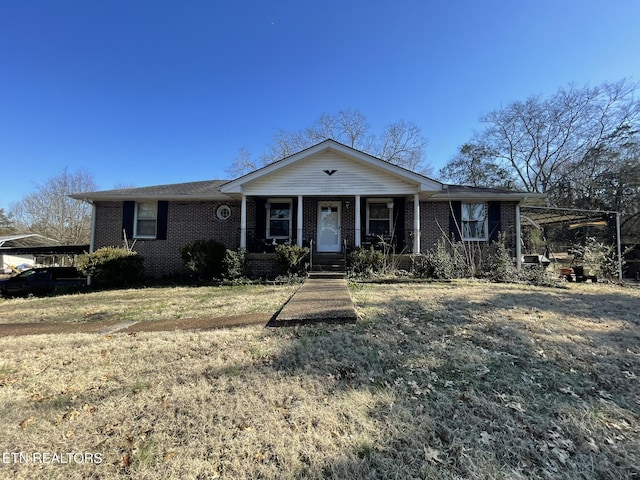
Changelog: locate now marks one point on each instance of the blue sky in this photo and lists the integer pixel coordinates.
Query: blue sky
(148, 92)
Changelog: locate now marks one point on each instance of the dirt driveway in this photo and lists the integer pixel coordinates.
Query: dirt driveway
(132, 327)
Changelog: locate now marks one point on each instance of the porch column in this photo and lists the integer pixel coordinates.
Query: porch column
(518, 240)
(300, 217)
(243, 222)
(416, 223)
(358, 238)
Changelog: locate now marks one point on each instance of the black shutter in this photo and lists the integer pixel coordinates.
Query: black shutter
(128, 214)
(363, 219)
(261, 219)
(493, 218)
(455, 220)
(398, 222)
(294, 220)
(161, 227)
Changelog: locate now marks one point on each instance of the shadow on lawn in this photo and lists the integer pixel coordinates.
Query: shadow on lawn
(498, 388)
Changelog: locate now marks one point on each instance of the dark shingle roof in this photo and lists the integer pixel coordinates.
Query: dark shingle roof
(207, 189)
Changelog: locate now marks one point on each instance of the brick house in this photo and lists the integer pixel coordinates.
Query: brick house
(329, 197)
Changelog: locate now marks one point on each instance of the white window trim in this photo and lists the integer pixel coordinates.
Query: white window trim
(485, 225)
(135, 222)
(378, 201)
(268, 213)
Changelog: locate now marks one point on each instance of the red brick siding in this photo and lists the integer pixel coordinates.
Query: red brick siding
(186, 222)
(434, 223)
(189, 221)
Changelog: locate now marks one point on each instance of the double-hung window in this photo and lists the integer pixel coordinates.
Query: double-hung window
(146, 221)
(279, 219)
(474, 221)
(379, 217)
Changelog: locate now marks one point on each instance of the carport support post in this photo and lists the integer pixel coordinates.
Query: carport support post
(518, 239)
(619, 246)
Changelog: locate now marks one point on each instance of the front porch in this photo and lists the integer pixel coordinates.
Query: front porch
(331, 224)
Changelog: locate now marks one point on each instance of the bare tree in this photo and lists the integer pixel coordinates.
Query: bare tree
(6, 224)
(473, 165)
(541, 139)
(50, 212)
(401, 143)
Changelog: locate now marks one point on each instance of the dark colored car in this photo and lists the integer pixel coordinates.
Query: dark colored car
(42, 281)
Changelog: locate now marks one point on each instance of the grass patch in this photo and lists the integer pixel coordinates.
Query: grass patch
(461, 380)
(147, 304)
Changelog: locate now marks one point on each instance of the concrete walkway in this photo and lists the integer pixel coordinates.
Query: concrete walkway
(318, 300)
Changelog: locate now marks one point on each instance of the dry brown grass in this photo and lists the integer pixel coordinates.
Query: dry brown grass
(461, 380)
(146, 304)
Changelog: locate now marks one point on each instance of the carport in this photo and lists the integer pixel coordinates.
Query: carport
(36, 245)
(573, 218)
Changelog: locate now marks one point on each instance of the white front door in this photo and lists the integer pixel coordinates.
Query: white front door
(329, 227)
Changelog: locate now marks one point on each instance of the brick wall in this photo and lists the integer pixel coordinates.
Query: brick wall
(262, 265)
(186, 222)
(189, 221)
(434, 223)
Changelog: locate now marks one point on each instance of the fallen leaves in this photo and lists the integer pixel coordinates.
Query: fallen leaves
(432, 455)
(25, 423)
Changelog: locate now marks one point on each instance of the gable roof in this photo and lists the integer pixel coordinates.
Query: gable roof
(203, 190)
(380, 171)
(423, 184)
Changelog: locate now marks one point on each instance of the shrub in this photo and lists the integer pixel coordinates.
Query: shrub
(446, 260)
(363, 261)
(235, 264)
(600, 259)
(498, 265)
(436, 263)
(537, 275)
(204, 258)
(111, 267)
(291, 259)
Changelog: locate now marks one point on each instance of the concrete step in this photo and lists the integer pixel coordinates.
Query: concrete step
(329, 262)
(325, 274)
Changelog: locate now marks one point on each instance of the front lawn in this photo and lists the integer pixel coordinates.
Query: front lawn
(145, 304)
(465, 380)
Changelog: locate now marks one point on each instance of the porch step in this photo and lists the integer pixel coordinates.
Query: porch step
(327, 275)
(328, 262)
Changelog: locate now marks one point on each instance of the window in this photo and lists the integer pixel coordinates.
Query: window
(379, 217)
(474, 221)
(279, 219)
(223, 212)
(146, 220)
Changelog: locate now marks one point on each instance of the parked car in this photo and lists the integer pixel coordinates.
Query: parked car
(42, 281)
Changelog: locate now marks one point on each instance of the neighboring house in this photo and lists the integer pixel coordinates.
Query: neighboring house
(329, 197)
